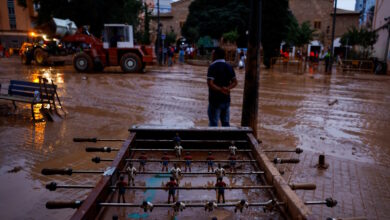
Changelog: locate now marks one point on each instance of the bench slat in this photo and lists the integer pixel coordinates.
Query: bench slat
(31, 84)
(17, 98)
(28, 88)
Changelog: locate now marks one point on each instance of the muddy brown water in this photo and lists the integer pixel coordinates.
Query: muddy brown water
(294, 111)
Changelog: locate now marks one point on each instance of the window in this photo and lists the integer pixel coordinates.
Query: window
(317, 24)
(11, 14)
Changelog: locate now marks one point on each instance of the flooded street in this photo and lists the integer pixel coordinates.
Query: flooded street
(344, 115)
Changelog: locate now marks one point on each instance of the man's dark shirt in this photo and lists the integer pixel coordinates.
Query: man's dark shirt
(222, 74)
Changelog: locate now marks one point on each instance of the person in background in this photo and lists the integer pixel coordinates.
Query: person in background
(221, 79)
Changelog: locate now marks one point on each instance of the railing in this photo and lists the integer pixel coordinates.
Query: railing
(358, 65)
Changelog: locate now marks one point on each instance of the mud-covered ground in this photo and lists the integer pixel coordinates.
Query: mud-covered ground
(295, 110)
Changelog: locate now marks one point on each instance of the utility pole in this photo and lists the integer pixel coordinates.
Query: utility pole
(158, 32)
(250, 103)
(333, 30)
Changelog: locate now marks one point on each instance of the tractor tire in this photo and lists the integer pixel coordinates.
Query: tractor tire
(82, 62)
(25, 60)
(40, 56)
(98, 67)
(131, 63)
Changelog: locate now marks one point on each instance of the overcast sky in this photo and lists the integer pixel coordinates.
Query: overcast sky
(346, 4)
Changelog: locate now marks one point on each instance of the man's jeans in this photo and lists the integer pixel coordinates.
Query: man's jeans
(218, 112)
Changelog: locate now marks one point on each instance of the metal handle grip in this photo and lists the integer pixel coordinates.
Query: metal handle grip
(292, 160)
(84, 139)
(67, 171)
(96, 159)
(303, 186)
(98, 149)
(63, 204)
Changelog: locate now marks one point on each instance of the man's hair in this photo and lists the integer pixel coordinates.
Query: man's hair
(219, 53)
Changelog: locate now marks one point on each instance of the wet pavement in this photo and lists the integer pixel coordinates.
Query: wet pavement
(295, 110)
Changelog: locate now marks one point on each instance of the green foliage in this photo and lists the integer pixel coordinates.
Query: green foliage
(22, 3)
(304, 34)
(213, 18)
(205, 41)
(192, 34)
(275, 26)
(231, 36)
(94, 13)
(170, 38)
(145, 33)
(363, 38)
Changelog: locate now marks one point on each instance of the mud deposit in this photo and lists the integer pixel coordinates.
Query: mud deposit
(295, 110)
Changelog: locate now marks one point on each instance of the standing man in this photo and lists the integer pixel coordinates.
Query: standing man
(221, 78)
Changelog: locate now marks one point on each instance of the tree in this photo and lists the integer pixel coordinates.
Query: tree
(231, 36)
(363, 38)
(214, 18)
(170, 38)
(94, 13)
(275, 23)
(145, 33)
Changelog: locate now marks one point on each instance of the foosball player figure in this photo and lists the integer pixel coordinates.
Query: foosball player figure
(232, 148)
(210, 162)
(147, 206)
(210, 206)
(165, 161)
(178, 149)
(232, 162)
(187, 163)
(131, 172)
(176, 138)
(176, 172)
(142, 162)
(241, 205)
(220, 172)
(171, 186)
(178, 206)
(121, 184)
(220, 185)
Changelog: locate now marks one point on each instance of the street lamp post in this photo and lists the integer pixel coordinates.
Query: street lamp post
(332, 43)
(158, 32)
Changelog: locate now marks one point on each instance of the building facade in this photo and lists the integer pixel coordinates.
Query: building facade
(16, 21)
(320, 15)
(173, 20)
(381, 25)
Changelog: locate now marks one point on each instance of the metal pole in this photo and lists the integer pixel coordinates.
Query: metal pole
(201, 173)
(158, 32)
(197, 150)
(69, 171)
(173, 161)
(158, 187)
(189, 205)
(346, 50)
(388, 39)
(333, 31)
(252, 75)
